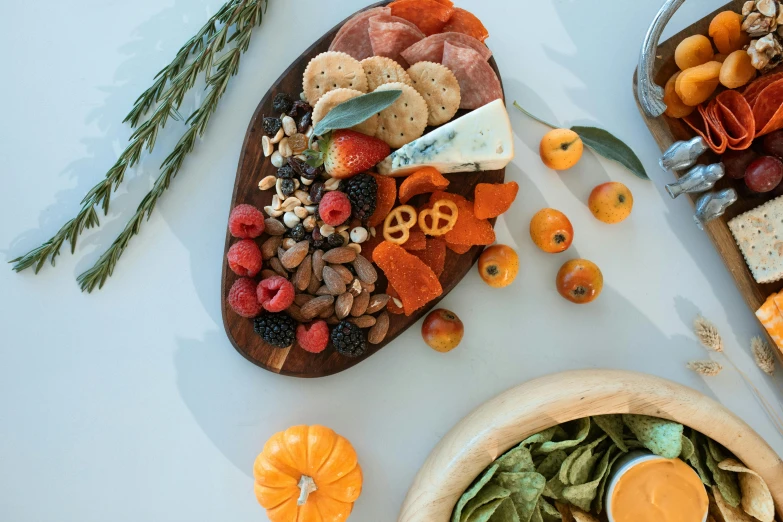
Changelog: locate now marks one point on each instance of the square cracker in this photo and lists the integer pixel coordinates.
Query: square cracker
(759, 235)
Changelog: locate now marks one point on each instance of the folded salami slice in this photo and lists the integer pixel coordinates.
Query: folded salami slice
(768, 108)
(431, 48)
(704, 126)
(478, 83)
(389, 36)
(754, 88)
(734, 115)
(353, 37)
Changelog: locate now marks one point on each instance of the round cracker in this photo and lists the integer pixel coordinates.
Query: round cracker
(380, 70)
(439, 88)
(329, 71)
(404, 120)
(332, 99)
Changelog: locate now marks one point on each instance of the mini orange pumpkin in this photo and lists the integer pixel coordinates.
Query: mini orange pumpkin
(307, 474)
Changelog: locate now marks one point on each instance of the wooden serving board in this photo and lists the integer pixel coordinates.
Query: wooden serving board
(253, 167)
(668, 130)
(501, 423)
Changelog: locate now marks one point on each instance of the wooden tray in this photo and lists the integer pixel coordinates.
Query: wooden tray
(667, 130)
(253, 166)
(509, 418)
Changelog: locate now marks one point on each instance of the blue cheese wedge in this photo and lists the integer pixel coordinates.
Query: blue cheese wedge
(759, 235)
(479, 140)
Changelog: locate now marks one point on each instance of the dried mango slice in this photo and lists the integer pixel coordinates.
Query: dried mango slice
(422, 181)
(434, 255)
(416, 239)
(465, 22)
(469, 230)
(387, 194)
(459, 249)
(416, 283)
(392, 307)
(429, 15)
(369, 246)
(491, 200)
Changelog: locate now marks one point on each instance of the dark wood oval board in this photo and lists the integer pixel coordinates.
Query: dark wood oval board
(253, 167)
(668, 130)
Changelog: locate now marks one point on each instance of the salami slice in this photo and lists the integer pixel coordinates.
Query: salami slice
(463, 21)
(431, 48)
(768, 108)
(735, 116)
(700, 122)
(754, 88)
(390, 37)
(429, 15)
(478, 83)
(353, 37)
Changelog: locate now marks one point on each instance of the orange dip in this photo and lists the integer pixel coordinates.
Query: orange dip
(659, 490)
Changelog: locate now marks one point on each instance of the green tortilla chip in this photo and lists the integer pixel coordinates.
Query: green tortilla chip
(582, 428)
(726, 480)
(487, 494)
(485, 512)
(687, 448)
(541, 436)
(718, 452)
(550, 466)
(526, 488)
(605, 469)
(697, 461)
(536, 516)
(613, 426)
(582, 496)
(516, 459)
(582, 467)
(554, 488)
(568, 462)
(471, 492)
(660, 436)
(505, 512)
(548, 511)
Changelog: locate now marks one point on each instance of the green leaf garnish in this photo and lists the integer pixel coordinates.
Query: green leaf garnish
(604, 143)
(355, 111)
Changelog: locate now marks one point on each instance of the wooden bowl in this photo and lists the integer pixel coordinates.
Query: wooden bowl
(504, 421)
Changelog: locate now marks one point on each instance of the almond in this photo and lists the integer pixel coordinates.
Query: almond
(270, 246)
(332, 321)
(267, 273)
(302, 299)
(378, 332)
(370, 287)
(377, 303)
(328, 312)
(364, 270)
(334, 281)
(296, 313)
(318, 264)
(323, 290)
(365, 321)
(303, 274)
(340, 255)
(294, 256)
(360, 304)
(314, 285)
(355, 288)
(342, 306)
(315, 306)
(274, 227)
(344, 273)
(278, 267)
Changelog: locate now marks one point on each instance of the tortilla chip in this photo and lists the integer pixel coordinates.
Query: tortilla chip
(541, 436)
(582, 468)
(725, 480)
(688, 448)
(756, 498)
(526, 488)
(582, 427)
(697, 461)
(548, 511)
(565, 511)
(582, 496)
(554, 488)
(581, 516)
(550, 466)
(488, 494)
(718, 452)
(471, 492)
(515, 460)
(605, 468)
(536, 516)
(505, 512)
(612, 426)
(485, 512)
(662, 437)
(727, 512)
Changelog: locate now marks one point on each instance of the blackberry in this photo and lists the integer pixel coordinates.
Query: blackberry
(335, 240)
(348, 339)
(282, 103)
(362, 192)
(298, 233)
(271, 126)
(277, 329)
(287, 187)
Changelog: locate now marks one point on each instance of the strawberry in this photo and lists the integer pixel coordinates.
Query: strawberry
(344, 153)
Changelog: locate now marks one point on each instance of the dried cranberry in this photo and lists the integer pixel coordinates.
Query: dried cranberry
(271, 126)
(282, 103)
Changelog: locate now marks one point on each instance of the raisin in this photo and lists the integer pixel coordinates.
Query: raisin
(287, 187)
(305, 122)
(298, 233)
(298, 143)
(271, 126)
(335, 240)
(316, 235)
(286, 172)
(282, 103)
(299, 107)
(305, 170)
(316, 192)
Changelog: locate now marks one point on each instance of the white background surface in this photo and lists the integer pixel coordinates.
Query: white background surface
(130, 404)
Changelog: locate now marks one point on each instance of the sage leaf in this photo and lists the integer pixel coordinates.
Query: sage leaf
(355, 111)
(608, 146)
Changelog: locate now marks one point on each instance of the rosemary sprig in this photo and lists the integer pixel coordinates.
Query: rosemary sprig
(225, 67)
(180, 76)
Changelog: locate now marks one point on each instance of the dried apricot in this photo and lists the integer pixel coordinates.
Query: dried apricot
(719, 57)
(434, 255)
(493, 199)
(693, 51)
(387, 195)
(726, 31)
(372, 242)
(696, 85)
(422, 181)
(469, 230)
(458, 249)
(416, 239)
(413, 280)
(674, 106)
(737, 70)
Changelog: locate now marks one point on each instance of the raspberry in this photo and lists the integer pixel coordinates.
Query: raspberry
(335, 208)
(275, 293)
(246, 221)
(242, 298)
(244, 258)
(313, 339)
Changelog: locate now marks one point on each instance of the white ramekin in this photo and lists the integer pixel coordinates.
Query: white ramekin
(620, 467)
